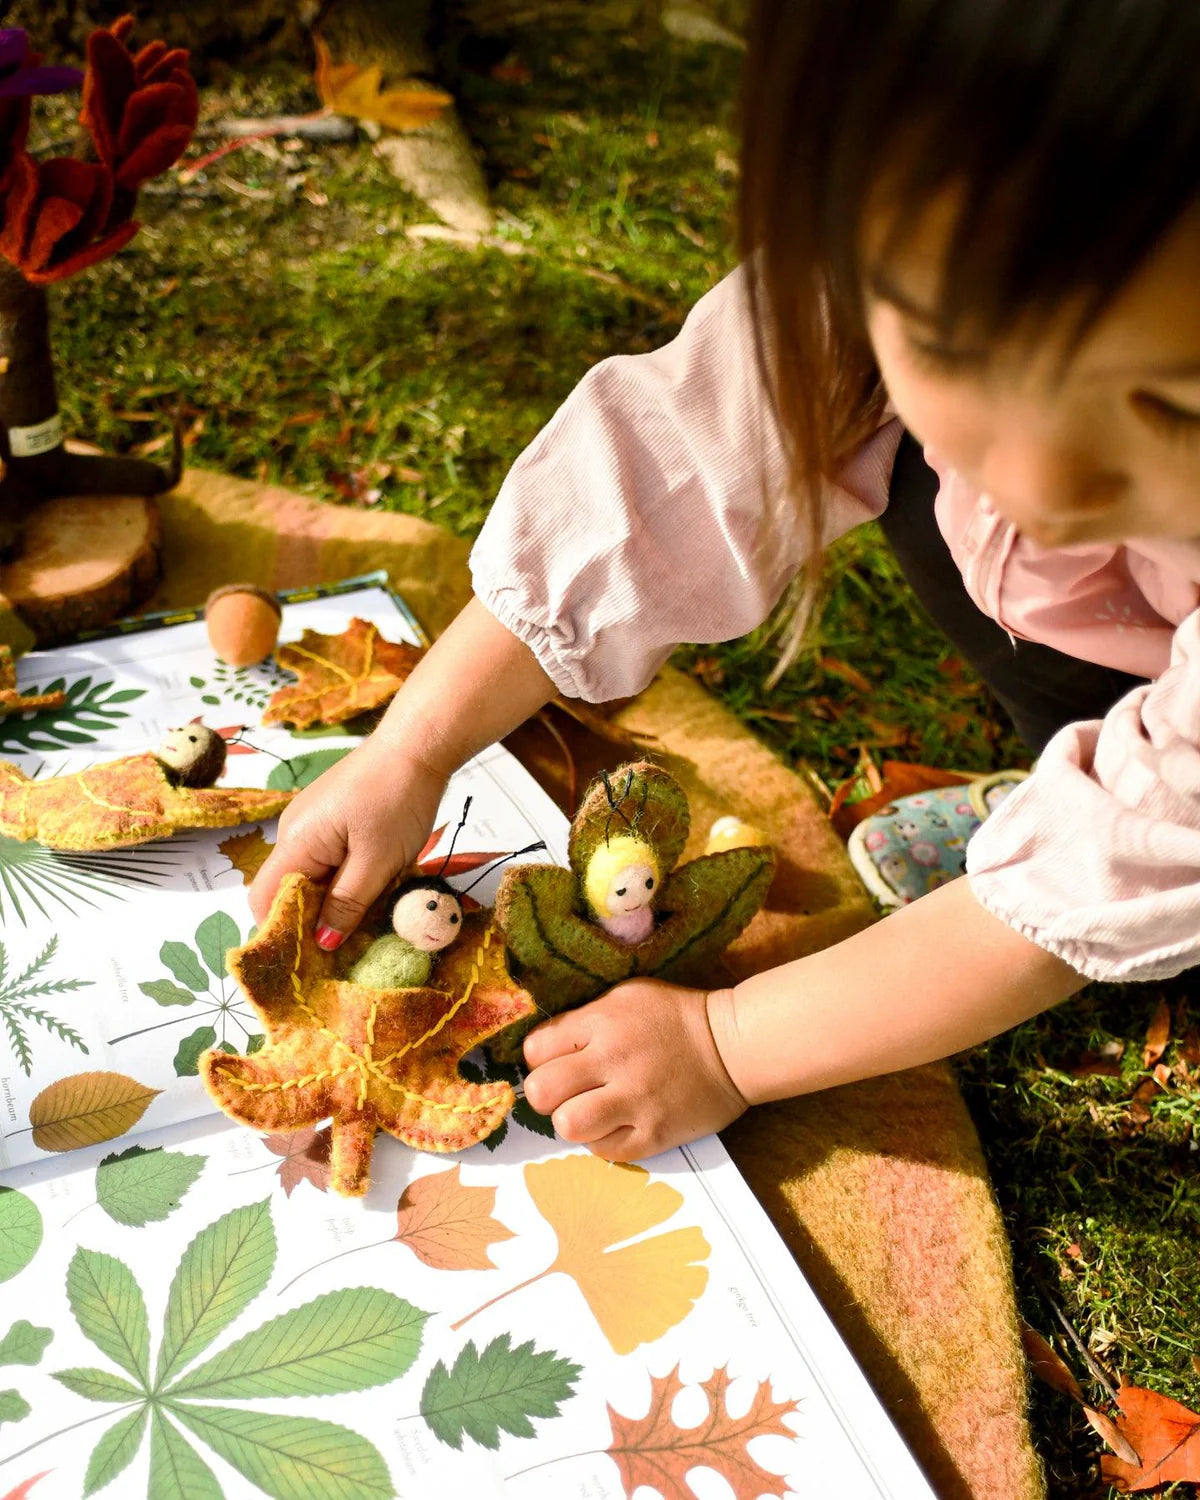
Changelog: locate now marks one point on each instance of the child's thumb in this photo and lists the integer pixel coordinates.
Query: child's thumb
(353, 888)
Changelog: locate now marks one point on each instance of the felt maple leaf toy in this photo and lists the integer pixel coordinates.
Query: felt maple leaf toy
(339, 676)
(626, 907)
(132, 800)
(366, 1059)
(12, 701)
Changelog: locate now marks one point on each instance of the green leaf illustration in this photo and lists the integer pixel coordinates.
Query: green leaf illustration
(24, 1344)
(139, 1186)
(97, 1385)
(13, 1406)
(16, 1010)
(187, 1055)
(115, 1450)
(221, 1271)
(110, 1310)
(20, 1231)
(184, 964)
(89, 710)
(301, 770)
(51, 880)
(177, 1472)
(497, 1390)
(214, 937)
(347, 1340)
(291, 1458)
(167, 993)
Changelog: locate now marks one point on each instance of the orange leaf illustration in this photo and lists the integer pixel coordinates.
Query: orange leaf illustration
(340, 676)
(350, 89)
(654, 1451)
(87, 1107)
(448, 1225)
(246, 852)
(305, 1158)
(1165, 1434)
(636, 1291)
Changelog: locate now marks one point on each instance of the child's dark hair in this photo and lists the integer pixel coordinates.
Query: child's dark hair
(1068, 130)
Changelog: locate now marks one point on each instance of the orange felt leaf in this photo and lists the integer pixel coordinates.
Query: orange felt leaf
(351, 89)
(246, 852)
(448, 1225)
(1163, 1433)
(85, 1108)
(654, 1451)
(1158, 1033)
(121, 803)
(364, 1058)
(340, 676)
(13, 701)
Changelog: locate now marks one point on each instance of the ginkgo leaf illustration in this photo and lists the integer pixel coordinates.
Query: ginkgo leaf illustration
(140, 1187)
(449, 1225)
(20, 1231)
(246, 852)
(351, 89)
(340, 676)
(655, 1452)
(637, 1289)
(497, 1389)
(86, 1108)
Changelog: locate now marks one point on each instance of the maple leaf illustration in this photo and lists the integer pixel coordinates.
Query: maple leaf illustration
(448, 1224)
(655, 1452)
(364, 1058)
(246, 852)
(340, 676)
(304, 1157)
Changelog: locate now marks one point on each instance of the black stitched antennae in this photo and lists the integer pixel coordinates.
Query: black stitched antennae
(496, 863)
(258, 750)
(614, 803)
(454, 838)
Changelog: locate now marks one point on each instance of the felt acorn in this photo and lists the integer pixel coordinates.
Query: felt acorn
(426, 917)
(243, 623)
(731, 832)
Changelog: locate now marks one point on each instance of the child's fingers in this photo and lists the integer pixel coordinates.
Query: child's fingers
(555, 1037)
(618, 1145)
(588, 1117)
(357, 883)
(558, 1080)
(286, 857)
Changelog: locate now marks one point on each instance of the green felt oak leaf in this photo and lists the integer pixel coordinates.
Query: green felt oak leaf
(564, 958)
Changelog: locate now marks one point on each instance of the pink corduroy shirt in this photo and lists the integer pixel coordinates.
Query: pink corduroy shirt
(653, 509)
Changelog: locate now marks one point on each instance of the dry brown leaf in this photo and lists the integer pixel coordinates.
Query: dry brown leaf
(1165, 1437)
(352, 89)
(340, 676)
(1048, 1366)
(1158, 1033)
(305, 1157)
(655, 1452)
(1110, 1433)
(448, 1225)
(246, 852)
(1139, 1104)
(87, 1107)
(832, 667)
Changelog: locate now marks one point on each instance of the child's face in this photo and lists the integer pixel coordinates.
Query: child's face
(1108, 451)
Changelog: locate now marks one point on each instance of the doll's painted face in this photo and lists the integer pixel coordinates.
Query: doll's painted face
(623, 876)
(427, 916)
(194, 754)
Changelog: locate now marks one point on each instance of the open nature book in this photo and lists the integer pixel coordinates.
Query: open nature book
(187, 1313)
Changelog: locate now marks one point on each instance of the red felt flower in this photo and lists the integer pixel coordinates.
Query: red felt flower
(140, 110)
(56, 218)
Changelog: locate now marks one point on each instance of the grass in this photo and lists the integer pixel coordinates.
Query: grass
(309, 340)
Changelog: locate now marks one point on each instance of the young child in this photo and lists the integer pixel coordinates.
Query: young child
(970, 227)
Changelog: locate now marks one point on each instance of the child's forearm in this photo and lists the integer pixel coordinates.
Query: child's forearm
(474, 686)
(926, 982)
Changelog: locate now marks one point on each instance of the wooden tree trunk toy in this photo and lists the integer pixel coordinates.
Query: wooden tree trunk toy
(59, 216)
(626, 907)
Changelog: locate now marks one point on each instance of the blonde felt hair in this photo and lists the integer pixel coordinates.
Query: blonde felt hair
(610, 858)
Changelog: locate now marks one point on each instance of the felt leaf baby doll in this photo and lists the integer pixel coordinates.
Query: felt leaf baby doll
(426, 918)
(620, 884)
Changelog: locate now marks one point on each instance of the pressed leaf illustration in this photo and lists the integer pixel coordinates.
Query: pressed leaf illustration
(87, 710)
(300, 771)
(1164, 1434)
(339, 676)
(523, 1113)
(304, 1157)
(353, 89)
(637, 1288)
(201, 986)
(22, 1490)
(52, 881)
(13, 1407)
(249, 686)
(348, 1340)
(140, 1186)
(20, 1231)
(448, 1224)
(365, 1058)
(493, 1390)
(246, 852)
(86, 1108)
(23, 1344)
(17, 1012)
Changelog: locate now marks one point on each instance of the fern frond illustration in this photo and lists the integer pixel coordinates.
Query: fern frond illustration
(17, 1014)
(250, 686)
(49, 881)
(89, 709)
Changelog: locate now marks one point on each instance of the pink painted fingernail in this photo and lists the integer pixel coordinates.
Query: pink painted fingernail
(329, 938)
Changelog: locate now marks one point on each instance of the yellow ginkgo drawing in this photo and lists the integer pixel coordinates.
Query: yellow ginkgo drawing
(637, 1289)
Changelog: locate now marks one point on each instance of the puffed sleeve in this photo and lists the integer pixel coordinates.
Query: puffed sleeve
(1096, 857)
(653, 509)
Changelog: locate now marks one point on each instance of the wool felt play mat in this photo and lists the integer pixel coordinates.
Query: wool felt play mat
(879, 1189)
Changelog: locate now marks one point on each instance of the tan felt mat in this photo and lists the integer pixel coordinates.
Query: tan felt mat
(879, 1188)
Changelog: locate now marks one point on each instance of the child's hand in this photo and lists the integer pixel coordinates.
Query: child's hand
(633, 1073)
(362, 822)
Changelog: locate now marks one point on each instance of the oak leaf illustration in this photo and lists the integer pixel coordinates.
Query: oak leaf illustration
(121, 803)
(364, 1058)
(351, 89)
(85, 1108)
(449, 1225)
(340, 676)
(1164, 1434)
(304, 1157)
(246, 852)
(655, 1452)
(637, 1289)
(12, 700)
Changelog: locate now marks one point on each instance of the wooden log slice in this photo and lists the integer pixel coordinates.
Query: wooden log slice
(85, 561)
